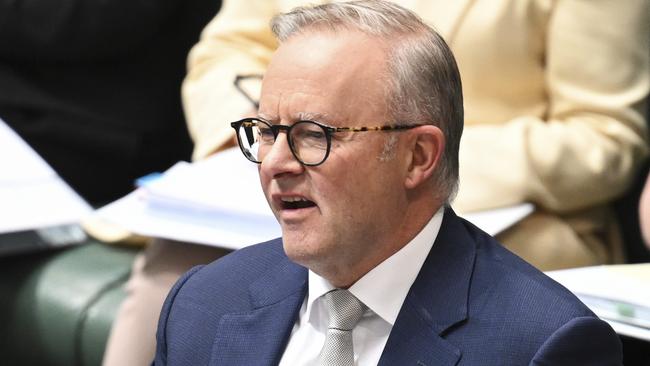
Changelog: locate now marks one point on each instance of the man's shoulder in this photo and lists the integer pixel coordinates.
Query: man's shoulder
(250, 259)
(507, 287)
(239, 269)
(509, 301)
(497, 270)
(234, 284)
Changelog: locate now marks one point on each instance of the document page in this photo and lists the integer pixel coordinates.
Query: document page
(32, 195)
(219, 201)
(619, 294)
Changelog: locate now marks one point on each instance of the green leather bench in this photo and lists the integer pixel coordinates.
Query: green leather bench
(56, 307)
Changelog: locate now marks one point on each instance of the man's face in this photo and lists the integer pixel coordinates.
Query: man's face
(354, 199)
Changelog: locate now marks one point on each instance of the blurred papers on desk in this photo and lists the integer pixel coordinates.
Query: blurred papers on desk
(619, 294)
(34, 197)
(219, 201)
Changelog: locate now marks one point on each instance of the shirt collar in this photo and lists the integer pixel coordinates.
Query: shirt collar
(397, 273)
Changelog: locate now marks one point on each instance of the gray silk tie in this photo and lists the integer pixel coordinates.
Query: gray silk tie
(344, 310)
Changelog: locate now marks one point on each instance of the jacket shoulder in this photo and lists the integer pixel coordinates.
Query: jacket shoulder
(196, 304)
(233, 274)
(522, 303)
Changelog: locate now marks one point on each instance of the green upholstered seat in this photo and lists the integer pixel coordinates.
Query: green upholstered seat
(56, 308)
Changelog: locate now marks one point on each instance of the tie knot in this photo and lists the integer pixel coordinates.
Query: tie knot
(344, 309)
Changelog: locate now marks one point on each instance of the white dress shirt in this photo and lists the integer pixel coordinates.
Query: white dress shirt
(382, 290)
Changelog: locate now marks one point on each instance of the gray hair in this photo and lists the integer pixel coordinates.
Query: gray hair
(424, 81)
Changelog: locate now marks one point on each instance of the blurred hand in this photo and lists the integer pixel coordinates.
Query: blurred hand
(644, 212)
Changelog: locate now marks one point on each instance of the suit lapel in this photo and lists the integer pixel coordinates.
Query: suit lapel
(259, 336)
(437, 301)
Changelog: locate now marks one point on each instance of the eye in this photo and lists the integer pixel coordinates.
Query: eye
(265, 133)
(312, 134)
(308, 135)
(308, 130)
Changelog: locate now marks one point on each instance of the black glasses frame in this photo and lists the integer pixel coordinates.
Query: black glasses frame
(238, 85)
(329, 130)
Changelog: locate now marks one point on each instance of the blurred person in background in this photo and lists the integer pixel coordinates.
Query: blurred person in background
(553, 95)
(93, 86)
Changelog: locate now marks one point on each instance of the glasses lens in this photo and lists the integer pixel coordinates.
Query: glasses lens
(309, 142)
(255, 138)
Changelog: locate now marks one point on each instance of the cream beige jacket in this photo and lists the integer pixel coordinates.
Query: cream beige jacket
(553, 99)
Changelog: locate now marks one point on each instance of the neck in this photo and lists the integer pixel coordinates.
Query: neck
(344, 275)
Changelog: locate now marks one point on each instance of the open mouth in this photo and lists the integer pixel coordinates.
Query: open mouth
(294, 203)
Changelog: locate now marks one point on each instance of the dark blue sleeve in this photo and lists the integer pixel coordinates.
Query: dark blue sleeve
(161, 334)
(585, 341)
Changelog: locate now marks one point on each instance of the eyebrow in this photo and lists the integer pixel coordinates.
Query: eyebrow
(324, 118)
(314, 116)
(300, 116)
(263, 117)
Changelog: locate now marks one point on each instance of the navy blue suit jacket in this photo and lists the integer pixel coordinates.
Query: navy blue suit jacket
(473, 303)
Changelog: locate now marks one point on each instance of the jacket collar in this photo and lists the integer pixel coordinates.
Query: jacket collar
(437, 301)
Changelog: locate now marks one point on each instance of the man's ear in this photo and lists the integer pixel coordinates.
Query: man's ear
(427, 144)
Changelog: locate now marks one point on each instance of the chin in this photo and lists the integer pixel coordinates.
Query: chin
(305, 250)
(297, 251)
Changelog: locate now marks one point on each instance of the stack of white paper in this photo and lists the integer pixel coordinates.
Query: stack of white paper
(619, 294)
(219, 202)
(32, 195)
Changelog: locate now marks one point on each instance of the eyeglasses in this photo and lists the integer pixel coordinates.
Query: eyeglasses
(309, 141)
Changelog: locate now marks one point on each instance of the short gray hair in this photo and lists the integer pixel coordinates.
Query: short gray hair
(424, 79)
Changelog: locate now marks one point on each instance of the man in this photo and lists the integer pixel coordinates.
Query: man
(357, 138)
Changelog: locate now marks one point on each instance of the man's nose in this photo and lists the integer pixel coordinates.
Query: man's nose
(280, 159)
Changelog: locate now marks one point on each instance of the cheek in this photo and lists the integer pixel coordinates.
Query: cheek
(348, 193)
(264, 181)
(354, 187)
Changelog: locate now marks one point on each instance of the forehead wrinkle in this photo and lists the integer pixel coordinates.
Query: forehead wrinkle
(307, 105)
(315, 116)
(269, 106)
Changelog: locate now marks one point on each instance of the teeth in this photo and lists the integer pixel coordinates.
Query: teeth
(293, 199)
